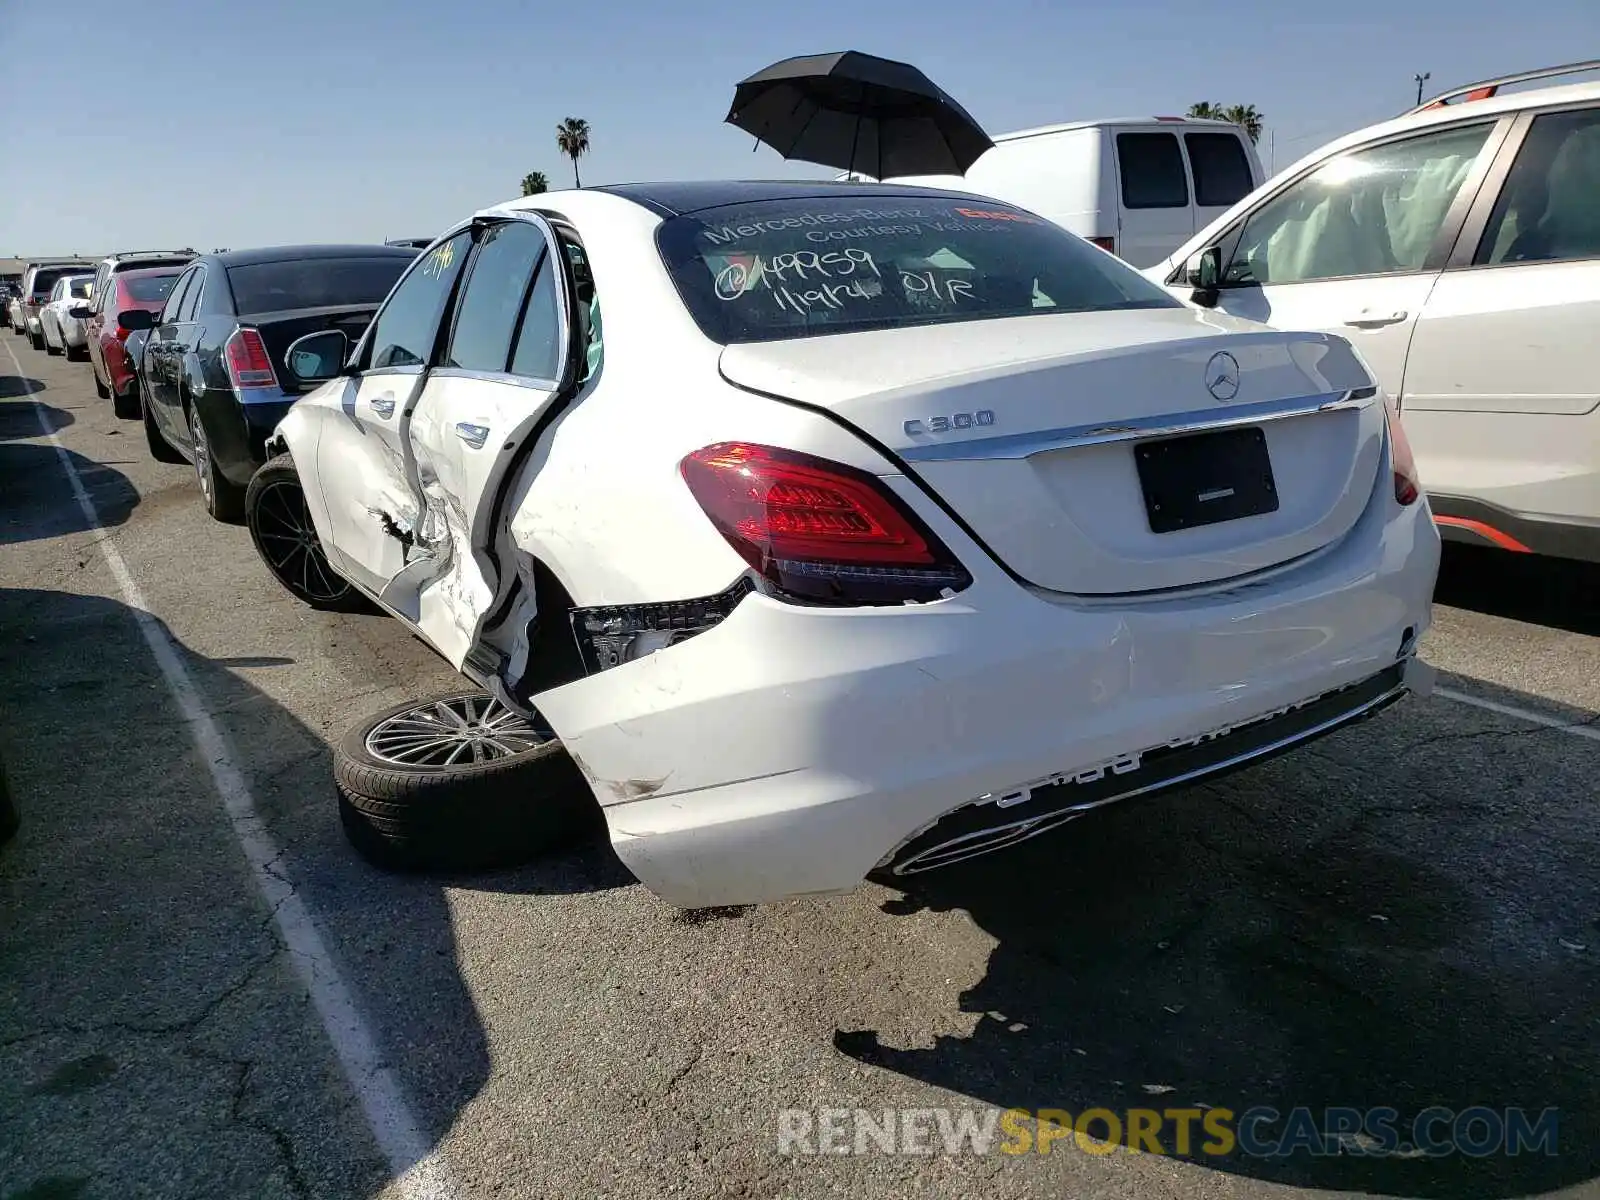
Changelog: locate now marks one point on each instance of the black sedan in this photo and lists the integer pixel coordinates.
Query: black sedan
(212, 378)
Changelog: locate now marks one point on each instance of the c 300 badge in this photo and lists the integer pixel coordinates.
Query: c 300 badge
(981, 419)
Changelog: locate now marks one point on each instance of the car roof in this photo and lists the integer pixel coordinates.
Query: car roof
(1448, 114)
(677, 198)
(272, 254)
(134, 255)
(1113, 122)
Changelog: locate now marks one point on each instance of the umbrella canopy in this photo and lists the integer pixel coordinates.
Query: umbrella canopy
(860, 113)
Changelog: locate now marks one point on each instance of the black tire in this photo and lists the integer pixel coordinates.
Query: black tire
(49, 350)
(74, 353)
(123, 404)
(223, 498)
(104, 393)
(160, 449)
(36, 340)
(471, 816)
(275, 510)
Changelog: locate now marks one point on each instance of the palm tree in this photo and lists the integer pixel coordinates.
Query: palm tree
(1245, 116)
(534, 183)
(572, 139)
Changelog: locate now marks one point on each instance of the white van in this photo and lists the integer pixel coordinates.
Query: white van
(1139, 188)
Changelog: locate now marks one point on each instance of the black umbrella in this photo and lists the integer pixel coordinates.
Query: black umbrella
(858, 112)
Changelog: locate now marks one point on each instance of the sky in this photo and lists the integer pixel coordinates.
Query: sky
(212, 123)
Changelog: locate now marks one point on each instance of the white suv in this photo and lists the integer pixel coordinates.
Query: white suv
(1458, 247)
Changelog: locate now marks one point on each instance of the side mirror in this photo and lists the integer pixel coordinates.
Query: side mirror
(80, 312)
(1203, 273)
(317, 357)
(136, 318)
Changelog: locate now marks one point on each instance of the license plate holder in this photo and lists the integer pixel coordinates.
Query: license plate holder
(1205, 478)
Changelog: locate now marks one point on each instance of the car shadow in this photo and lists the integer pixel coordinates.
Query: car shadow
(1399, 944)
(127, 868)
(13, 387)
(1560, 593)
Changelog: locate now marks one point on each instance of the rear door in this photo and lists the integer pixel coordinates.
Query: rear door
(372, 505)
(1221, 170)
(1355, 245)
(503, 367)
(1155, 208)
(161, 361)
(1505, 362)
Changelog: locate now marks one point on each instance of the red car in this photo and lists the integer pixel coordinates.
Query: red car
(108, 356)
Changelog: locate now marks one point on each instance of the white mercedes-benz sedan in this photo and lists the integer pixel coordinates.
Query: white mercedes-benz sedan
(816, 529)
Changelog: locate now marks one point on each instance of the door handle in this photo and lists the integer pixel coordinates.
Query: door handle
(383, 406)
(1369, 320)
(473, 435)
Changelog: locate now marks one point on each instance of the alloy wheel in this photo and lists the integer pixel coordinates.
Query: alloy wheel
(289, 543)
(452, 731)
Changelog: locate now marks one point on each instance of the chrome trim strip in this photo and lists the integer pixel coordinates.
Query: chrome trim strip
(1050, 820)
(1022, 445)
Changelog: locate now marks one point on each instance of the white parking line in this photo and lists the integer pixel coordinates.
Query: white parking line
(1524, 714)
(421, 1174)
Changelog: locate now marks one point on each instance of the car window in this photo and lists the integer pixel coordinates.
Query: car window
(191, 298)
(404, 331)
(169, 311)
(492, 299)
(145, 289)
(1151, 168)
(834, 264)
(1221, 169)
(81, 288)
(57, 289)
(1371, 212)
(314, 282)
(537, 352)
(1549, 208)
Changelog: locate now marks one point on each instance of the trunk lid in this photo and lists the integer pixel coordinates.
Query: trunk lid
(280, 329)
(1042, 433)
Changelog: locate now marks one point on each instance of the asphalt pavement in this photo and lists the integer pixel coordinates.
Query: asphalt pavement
(203, 993)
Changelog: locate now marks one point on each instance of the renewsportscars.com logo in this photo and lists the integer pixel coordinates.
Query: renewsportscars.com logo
(1260, 1132)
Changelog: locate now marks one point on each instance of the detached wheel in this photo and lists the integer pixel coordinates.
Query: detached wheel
(286, 539)
(458, 782)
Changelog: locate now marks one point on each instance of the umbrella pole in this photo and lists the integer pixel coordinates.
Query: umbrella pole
(854, 139)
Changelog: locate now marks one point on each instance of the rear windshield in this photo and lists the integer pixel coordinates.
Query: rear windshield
(45, 279)
(145, 264)
(792, 268)
(146, 288)
(313, 283)
(1221, 171)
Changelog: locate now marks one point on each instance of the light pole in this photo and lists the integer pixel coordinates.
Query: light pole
(1422, 79)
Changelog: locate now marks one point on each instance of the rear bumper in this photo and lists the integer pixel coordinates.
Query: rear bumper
(238, 432)
(792, 750)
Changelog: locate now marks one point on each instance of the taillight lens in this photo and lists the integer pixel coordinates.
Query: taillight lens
(1407, 484)
(1108, 244)
(249, 364)
(819, 530)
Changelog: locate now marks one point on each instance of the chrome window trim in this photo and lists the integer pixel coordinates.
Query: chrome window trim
(1023, 445)
(526, 381)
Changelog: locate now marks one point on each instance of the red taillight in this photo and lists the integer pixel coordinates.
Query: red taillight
(249, 365)
(1407, 484)
(1108, 244)
(818, 529)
